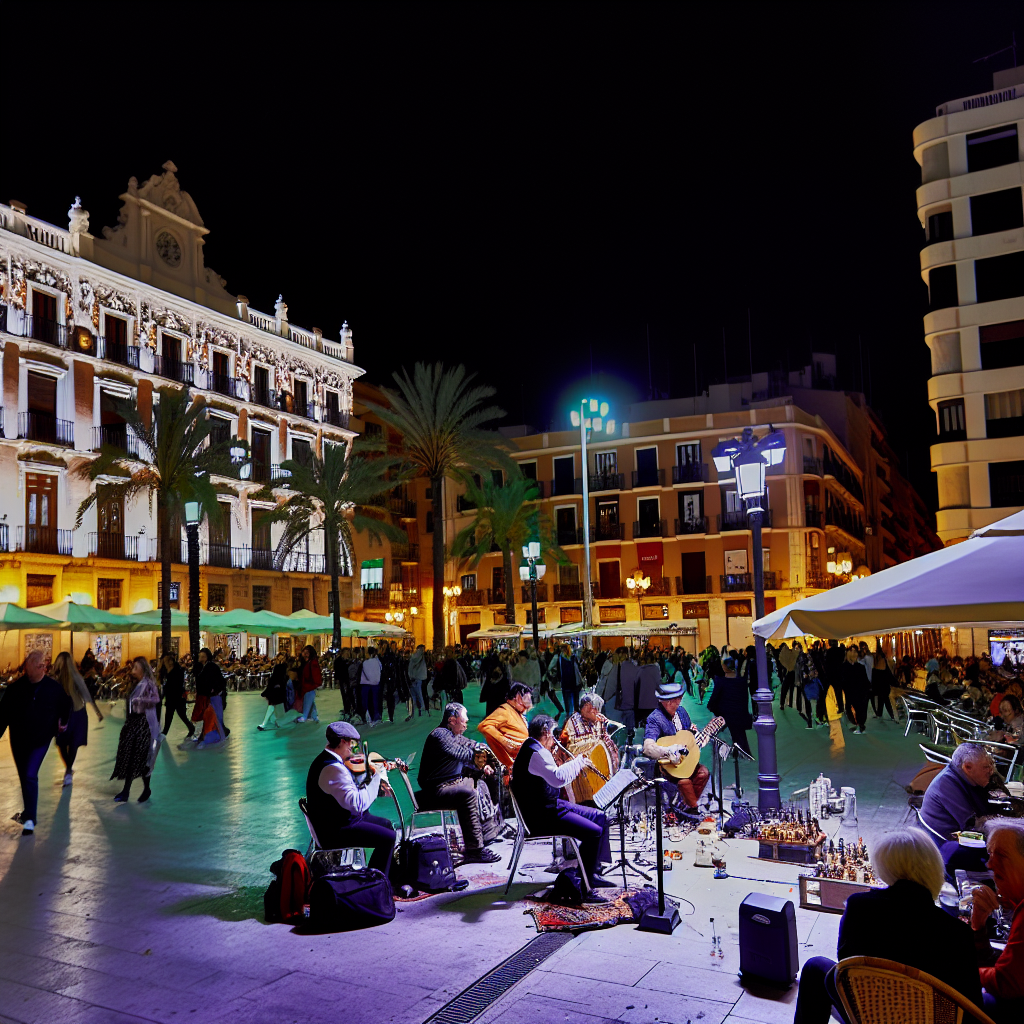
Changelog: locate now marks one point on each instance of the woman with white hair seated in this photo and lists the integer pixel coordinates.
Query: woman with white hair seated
(900, 923)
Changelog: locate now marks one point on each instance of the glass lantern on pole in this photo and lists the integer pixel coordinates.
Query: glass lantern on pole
(531, 570)
(747, 459)
(193, 516)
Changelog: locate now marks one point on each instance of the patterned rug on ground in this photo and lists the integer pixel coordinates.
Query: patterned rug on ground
(626, 905)
(480, 881)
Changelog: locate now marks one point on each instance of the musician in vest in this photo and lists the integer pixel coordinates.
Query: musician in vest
(338, 801)
(536, 780)
(667, 719)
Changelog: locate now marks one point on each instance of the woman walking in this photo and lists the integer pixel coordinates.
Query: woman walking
(275, 694)
(77, 733)
(172, 686)
(136, 747)
(310, 680)
(417, 673)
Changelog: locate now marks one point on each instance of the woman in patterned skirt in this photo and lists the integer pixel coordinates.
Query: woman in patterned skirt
(137, 744)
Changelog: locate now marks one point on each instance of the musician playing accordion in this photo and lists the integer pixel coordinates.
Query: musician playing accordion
(586, 732)
(667, 719)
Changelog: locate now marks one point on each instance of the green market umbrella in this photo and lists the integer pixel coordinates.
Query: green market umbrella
(84, 618)
(13, 616)
(179, 620)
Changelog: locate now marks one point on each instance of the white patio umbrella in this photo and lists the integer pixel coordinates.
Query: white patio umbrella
(979, 582)
(509, 632)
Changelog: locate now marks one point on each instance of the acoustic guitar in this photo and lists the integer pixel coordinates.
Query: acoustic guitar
(692, 741)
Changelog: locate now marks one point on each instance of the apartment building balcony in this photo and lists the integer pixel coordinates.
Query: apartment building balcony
(743, 582)
(44, 540)
(607, 531)
(567, 486)
(376, 597)
(691, 473)
(303, 561)
(260, 472)
(495, 596)
(569, 535)
(813, 518)
(116, 435)
(838, 470)
(845, 521)
(400, 504)
(180, 371)
(5, 537)
(335, 417)
(49, 332)
(542, 594)
(648, 478)
(223, 384)
(260, 558)
(121, 546)
(404, 551)
(812, 466)
(683, 527)
(179, 552)
(217, 554)
(607, 481)
(45, 427)
(649, 528)
(683, 590)
(267, 397)
(741, 520)
(568, 592)
(820, 580)
(473, 597)
(279, 475)
(659, 587)
(118, 352)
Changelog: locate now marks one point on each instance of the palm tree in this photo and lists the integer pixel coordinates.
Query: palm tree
(167, 455)
(505, 520)
(440, 414)
(338, 493)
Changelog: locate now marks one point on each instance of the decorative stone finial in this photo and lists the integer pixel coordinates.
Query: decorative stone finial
(169, 167)
(281, 308)
(78, 223)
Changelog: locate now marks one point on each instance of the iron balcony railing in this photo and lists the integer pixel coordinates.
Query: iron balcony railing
(261, 558)
(567, 486)
(687, 526)
(336, 417)
(376, 597)
(405, 551)
(122, 546)
(278, 473)
(648, 478)
(542, 593)
(49, 331)
(568, 591)
(820, 580)
(496, 596)
(223, 384)
(45, 427)
(567, 535)
(649, 528)
(265, 396)
(44, 540)
(398, 503)
(118, 352)
(5, 537)
(607, 531)
(845, 521)
(683, 589)
(690, 473)
(659, 587)
(840, 471)
(812, 466)
(117, 435)
(472, 597)
(743, 582)
(741, 520)
(303, 561)
(813, 517)
(175, 369)
(607, 481)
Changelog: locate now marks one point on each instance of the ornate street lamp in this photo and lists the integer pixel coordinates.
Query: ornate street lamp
(749, 460)
(530, 572)
(639, 583)
(591, 418)
(193, 515)
(450, 592)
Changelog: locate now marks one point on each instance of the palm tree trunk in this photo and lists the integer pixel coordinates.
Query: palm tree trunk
(332, 546)
(510, 588)
(163, 529)
(437, 609)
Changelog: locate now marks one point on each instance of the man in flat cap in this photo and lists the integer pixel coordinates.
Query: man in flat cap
(338, 800)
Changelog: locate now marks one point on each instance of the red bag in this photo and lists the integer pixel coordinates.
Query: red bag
(287, 897)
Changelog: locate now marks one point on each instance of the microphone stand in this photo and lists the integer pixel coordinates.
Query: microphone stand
(667, 919)
(724, 750)
(624, 862)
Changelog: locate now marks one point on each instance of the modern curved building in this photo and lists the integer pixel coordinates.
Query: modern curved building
(970, 207)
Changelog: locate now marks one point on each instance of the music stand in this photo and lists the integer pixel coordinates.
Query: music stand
(724, 750)
(624, 863)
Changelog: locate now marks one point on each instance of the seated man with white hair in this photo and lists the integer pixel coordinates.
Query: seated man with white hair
(900, 923)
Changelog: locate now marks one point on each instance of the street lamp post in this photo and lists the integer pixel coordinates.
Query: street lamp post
(639, 583)
(192, 516)
(531, 572)
(592, 417)
(749, 459)
(450, 593)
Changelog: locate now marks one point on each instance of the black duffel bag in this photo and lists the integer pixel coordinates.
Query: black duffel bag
(350, 898)
(425, 863)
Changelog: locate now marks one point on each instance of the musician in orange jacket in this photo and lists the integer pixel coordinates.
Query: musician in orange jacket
(667, 719)
(505, 728)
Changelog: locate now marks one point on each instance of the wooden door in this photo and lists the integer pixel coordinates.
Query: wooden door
(40, 513)
(611, 579)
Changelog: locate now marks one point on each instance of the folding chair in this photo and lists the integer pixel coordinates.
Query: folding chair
(915, 712)
(524, 836)
(351, 855)
(449, 819)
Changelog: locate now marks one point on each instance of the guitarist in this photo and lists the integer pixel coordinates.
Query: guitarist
(667, 719)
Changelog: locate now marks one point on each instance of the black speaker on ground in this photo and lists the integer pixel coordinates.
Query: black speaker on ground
(768, 939)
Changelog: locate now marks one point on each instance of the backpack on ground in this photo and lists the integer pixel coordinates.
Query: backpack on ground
(425, 863)
(350, 898)
(567, 889)
(286, 897)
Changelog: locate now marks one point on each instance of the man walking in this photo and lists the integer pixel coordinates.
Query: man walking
(36, 708)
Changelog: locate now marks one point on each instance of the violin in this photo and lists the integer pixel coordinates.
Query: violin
(357, 764)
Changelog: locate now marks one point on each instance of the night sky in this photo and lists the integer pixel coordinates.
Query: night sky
(534, 190)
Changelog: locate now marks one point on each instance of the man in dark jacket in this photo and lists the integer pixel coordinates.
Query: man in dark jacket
(36, 708)
(731, 699)
(833, 661)
(855, 686)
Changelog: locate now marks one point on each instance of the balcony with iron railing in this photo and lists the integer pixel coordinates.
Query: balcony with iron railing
(740, 520)
(45, 427)
(607, 481)
(496, 595)
(405, 551)
(376, 597)
(844, 520)
(688, 526)
(607, 531)
(304, 561)
(648, 478)
(821, 580)
(336, 417)
(812, 466)
(568, 592)
(222, 383)
(473, 597)
(813, 517)
(122, 546)
(660, 587)
(566, 486)
(566, 535)
(279, 476)
(44, 540)
(838, 470)
(399, 504)
(260, 558)
(681, 588)
(743, 582)
(118, 352)
(542, 593)
(5, 537)
(117, 435)
(217, 554)
(50, 332)
(690, 473)
(178, 370)
(648, 528)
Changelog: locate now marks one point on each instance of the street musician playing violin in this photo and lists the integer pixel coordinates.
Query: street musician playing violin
(338, 799)
(586, 732)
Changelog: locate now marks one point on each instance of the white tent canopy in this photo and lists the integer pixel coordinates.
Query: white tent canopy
(509, 632)
(979, 582)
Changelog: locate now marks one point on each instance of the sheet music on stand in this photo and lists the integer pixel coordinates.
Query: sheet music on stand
(619, 783)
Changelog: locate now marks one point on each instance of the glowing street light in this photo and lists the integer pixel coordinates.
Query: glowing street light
(531, 570)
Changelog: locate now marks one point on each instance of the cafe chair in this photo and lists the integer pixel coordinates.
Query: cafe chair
(524, 836)
(320, 860)
(933, 755)
(915, 711)
(877, 991)
(938, 837)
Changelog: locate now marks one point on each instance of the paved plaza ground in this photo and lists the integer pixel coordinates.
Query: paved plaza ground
(153, 912)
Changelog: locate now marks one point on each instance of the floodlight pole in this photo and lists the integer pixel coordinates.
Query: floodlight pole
(588, 606)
